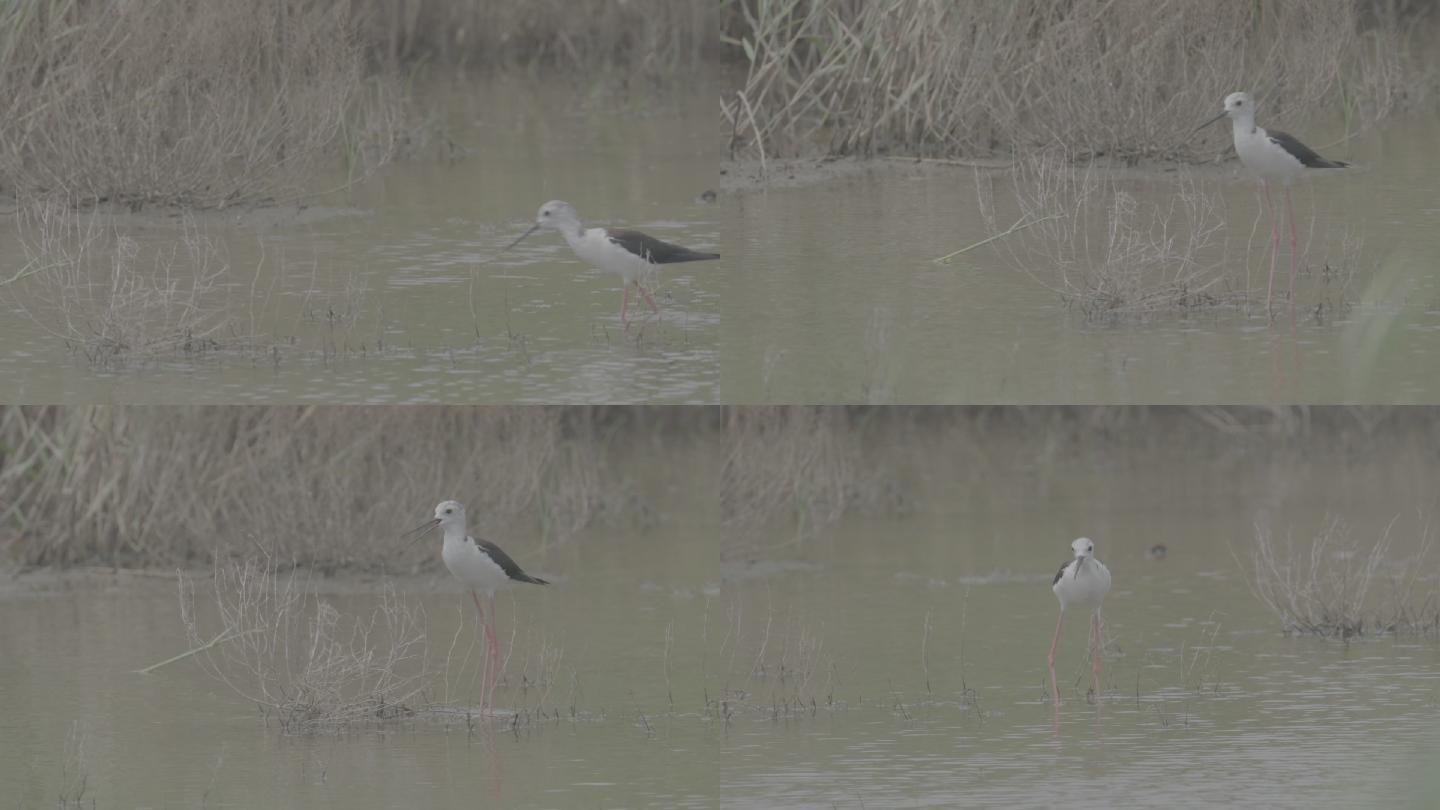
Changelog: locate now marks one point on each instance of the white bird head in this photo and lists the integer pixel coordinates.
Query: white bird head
(556, 214)
(1237, 106)
(449, 514)
(1083, 547)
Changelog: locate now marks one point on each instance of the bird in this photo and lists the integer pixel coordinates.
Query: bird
(1274, 156)
(630, 254)
(484, 567)
(1081, 583)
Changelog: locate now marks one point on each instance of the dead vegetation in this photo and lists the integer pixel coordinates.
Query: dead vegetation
(1084, 234)
(650, 37)
(790, 473)
(275, 642)
(1122, 79)
(1339, 586)
(802, 464)
(329, 488)
(170, 103)
(118, 298)
(109, 298)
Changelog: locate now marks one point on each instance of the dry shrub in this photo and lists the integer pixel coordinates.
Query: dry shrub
(785, 665)
(654, 37)
(330, 487)
(1334, 586)
(109, 299)
(1082, 233)
(802, 465)
(1123, 78)
(181, 103)
(279, 644)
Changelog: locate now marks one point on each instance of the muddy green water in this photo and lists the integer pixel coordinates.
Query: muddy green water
(1204, 702)
(397, 291)
(835, 297)
(178, 739)
(887, 662)
(624, 625)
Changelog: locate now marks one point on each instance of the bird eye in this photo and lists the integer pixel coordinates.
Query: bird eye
(544, 213)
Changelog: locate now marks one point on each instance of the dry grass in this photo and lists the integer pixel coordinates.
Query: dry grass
(801, 464)
(117, 300)
(276, 643)
(171, 103)
(650, 37)
(1127, 79)
(326, 487)
(792, 472)
(108, 298)
(1082, 233)
(1337, 586)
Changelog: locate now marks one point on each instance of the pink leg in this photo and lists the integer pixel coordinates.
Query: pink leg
(1095, 654)
(485, 666)
(651, 301)
(1274, 243)
(1054, 688)
(494, 652)
(1290, 209)
(623, 302)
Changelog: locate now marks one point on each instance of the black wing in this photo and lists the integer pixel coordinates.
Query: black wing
(1060, 573)
(655, 251)
(511, 568)
(1308, 157)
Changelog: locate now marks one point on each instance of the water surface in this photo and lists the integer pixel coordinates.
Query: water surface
(836, 297)
(397, 291)
(901, 661)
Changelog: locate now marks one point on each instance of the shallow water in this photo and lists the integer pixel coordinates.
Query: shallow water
(397, 291)
(888, 661)
(622, 628)
(901, 662)
(836, 297)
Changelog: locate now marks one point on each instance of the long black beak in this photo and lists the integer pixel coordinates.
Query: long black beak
(1079, 563)
(533, 228)
(419, 532)
(1222, 114)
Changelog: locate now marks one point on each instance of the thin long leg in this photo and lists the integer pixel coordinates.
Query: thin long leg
(484, 669)
(1054, 688)
(1290, 209)
(1274, 242)
(651, 301)
(1095, 654)
(624, 301)
(494, 658)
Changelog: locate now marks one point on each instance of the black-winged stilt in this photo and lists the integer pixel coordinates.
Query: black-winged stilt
(630, 254)
(1271, 155)
(484, 567)
(1081, 583)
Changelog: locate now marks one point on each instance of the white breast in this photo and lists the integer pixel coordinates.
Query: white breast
(472, 566)
(593, 247)
(1264, 157)
(1084, 588)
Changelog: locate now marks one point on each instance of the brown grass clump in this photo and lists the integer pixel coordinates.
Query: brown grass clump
(804, 465)
(652, 37)
(1336, 587)
(1083, 234)
(279, 644)
(175, 103)
(330, 488)
(1127, 79)
(109, 299)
